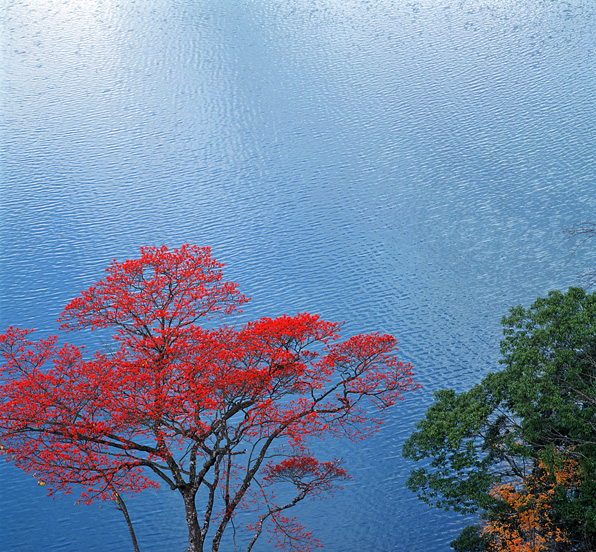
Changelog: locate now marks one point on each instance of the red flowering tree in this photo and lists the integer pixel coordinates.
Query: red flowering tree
(218, 413)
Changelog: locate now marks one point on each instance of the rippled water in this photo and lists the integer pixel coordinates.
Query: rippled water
(406, 167)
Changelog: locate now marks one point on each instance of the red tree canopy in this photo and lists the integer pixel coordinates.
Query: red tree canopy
(186, 401)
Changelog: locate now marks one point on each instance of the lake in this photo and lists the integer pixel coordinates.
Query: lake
(403, 166)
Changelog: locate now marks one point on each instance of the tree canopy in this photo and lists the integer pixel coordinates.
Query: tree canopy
(217, 412)
(500, 449)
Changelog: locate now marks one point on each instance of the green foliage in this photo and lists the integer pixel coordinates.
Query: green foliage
(549, 352)
(470, 540)
(543, 400)
(458, 475)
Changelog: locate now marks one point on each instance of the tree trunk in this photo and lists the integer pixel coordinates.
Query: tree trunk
(120, 505)
(195, 538)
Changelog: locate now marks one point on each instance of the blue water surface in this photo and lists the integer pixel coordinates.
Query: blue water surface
(403, 166)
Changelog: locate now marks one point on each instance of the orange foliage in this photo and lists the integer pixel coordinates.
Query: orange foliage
(528, 526)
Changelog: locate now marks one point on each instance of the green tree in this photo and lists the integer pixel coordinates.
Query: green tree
(542, 403)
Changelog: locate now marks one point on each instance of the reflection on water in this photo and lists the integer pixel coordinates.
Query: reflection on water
(405, 167)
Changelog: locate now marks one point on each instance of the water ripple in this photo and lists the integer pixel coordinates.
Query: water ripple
(404, 167)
